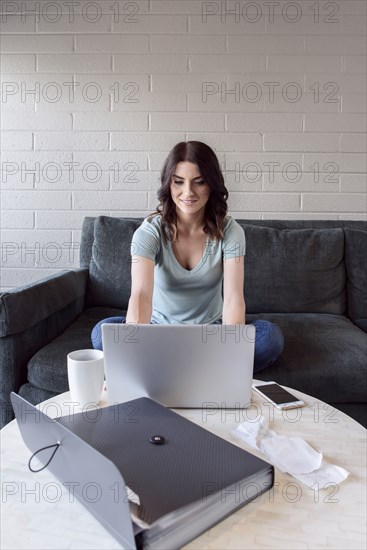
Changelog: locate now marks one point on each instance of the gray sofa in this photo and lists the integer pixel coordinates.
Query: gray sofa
(309, 277)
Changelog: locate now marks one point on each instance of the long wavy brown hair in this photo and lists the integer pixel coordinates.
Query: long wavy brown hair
(215, 209)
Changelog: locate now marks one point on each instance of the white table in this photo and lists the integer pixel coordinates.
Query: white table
(38, 512)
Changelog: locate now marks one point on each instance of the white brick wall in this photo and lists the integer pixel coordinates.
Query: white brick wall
(93, 96)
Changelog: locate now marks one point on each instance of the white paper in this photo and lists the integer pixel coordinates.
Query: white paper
(292, 455)
(327, 473)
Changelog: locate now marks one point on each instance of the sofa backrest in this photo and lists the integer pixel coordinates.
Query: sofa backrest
(290, 265)
(105, 250)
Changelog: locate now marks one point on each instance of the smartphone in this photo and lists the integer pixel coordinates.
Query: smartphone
(277, 395)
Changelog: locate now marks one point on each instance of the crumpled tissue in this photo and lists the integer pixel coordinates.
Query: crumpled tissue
(292, 455)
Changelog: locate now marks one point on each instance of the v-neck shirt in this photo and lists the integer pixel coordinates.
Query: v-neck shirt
(183, 295)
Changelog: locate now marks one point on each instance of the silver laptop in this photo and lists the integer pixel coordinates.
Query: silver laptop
(180, 365)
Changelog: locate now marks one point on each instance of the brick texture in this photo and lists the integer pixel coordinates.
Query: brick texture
(94, 96)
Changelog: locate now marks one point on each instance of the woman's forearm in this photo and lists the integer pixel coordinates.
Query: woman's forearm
(234, 312)
(139, 310)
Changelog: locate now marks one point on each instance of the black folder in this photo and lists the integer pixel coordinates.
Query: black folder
(182, 478)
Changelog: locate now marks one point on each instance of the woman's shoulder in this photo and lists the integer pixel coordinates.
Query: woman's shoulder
(230, 223)
(234, 240)
(154, 217)
(232, 227)
(147, 238)
(153, 221)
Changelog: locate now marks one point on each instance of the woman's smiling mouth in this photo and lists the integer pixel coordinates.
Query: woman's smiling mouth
(188, 203)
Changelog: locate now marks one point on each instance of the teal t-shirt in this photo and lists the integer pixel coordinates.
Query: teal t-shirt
(181, 295)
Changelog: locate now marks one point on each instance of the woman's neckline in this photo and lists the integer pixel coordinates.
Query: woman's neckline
(183, 269)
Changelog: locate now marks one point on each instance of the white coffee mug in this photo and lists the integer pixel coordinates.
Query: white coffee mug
(85, 375)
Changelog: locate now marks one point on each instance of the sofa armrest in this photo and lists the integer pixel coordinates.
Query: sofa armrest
(31, 317)
(24, 307)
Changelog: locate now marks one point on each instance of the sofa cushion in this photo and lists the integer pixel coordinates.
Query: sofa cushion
(110, 267)
(294, 270)
(48, 367)
(356, 268)
(324, 356)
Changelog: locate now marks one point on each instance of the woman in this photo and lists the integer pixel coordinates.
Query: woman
(187, 249)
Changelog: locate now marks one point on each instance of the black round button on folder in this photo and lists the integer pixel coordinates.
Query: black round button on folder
(157, 439)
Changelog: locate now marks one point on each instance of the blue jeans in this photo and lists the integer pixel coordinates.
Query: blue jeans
(269, 340)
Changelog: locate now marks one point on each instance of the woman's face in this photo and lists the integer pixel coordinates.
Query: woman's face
(189, 191)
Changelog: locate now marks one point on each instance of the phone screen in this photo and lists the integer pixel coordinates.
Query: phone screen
(277, 394)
